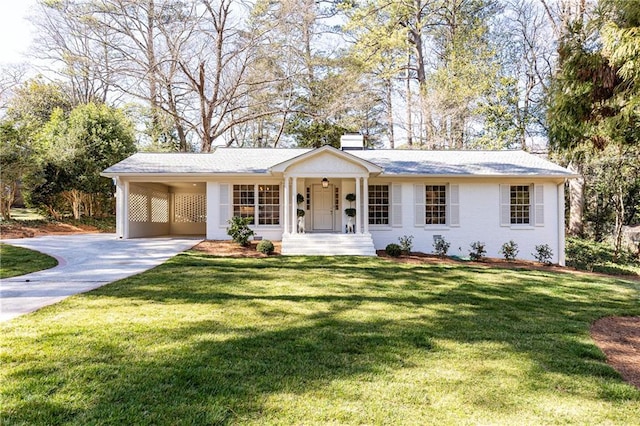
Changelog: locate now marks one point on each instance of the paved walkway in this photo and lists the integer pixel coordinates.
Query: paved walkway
(85, 262)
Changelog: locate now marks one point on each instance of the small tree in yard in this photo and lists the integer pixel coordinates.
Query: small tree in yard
(239, 230)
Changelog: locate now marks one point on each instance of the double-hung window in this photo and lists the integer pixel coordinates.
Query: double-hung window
(437, 205)
(379, 205)
(268, 204)
(257, 201)
(519, 205)
(522, 205)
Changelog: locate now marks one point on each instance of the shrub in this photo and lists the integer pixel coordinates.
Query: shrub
(265, 246)
(441, 247)
(594, 256)
(299, 198)
(351, 212)
(584, 254)
(543, 254)
(239, 229)
(351, 197)
(477, 251)
(406, 243)
(300, 213)
(393, 250)
(509, 250)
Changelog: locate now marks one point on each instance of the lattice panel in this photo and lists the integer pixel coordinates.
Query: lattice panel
(190, 208)
(138, 207)
(159, 207)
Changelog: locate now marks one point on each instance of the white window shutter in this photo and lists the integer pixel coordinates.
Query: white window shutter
(419, 200)
(396, 204)
(538, 191)
(454, 205)
(225, 209)
(505, 205)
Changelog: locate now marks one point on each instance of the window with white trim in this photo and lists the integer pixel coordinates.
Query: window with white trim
(378, 204)
(520, 204)
(261, 201)
(435, 205)
(268, 204)
(244, 201)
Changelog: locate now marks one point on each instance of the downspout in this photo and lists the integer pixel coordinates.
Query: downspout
(561, 223)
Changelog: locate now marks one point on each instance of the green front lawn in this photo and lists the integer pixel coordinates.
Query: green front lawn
(16, 261)
(306, 340)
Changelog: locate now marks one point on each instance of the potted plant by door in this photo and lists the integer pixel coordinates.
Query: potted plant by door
(351, 213)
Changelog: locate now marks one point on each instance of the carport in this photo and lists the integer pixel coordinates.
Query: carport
(149, 209)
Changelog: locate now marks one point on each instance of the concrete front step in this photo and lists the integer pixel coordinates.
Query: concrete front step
(328, 244)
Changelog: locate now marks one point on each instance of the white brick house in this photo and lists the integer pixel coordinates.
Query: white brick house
(461, 196)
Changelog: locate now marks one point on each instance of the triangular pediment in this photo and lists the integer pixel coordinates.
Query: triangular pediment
(326, 161)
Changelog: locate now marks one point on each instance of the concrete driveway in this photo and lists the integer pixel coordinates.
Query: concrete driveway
(85, 262)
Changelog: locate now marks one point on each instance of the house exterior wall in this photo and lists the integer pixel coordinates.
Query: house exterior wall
(479, 213)
(479, 207)
(217, 223)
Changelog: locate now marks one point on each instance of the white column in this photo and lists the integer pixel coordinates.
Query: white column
(125, 210)
(294, 207)
(358, 201)
(365, 207)
(213, 209)
(119, 208)
(286, 205)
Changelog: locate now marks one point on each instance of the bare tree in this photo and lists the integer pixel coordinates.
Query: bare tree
(69, 39)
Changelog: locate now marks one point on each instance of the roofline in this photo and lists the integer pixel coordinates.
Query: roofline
(382, 175)
(469, 175)
(371, 167)
(183, 175)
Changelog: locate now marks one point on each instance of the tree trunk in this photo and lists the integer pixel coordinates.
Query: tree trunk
(74, 197)
(389, 89)
(7, 199)
(409, 102)
(576, 203)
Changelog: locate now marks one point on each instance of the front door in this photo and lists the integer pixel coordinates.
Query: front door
(322, 208)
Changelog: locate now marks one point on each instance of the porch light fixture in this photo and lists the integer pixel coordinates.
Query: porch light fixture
(325, 182)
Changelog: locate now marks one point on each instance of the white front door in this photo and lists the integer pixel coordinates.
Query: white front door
(322, 208)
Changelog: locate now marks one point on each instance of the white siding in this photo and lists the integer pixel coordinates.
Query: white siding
(479, 220)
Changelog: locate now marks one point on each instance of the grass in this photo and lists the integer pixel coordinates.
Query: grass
(306, 340)
(25, 214)
(15, 261)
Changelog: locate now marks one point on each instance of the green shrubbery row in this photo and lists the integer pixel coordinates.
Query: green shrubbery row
(509, 250)
(581, 254)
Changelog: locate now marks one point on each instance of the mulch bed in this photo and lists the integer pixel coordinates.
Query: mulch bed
(20, 230)
(231, 249)
(619, 339)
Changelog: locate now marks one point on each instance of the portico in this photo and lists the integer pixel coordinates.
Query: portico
(324, 177)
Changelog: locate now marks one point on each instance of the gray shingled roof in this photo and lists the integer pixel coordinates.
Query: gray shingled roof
(394, 162)
(223, 160)
(483, 163)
